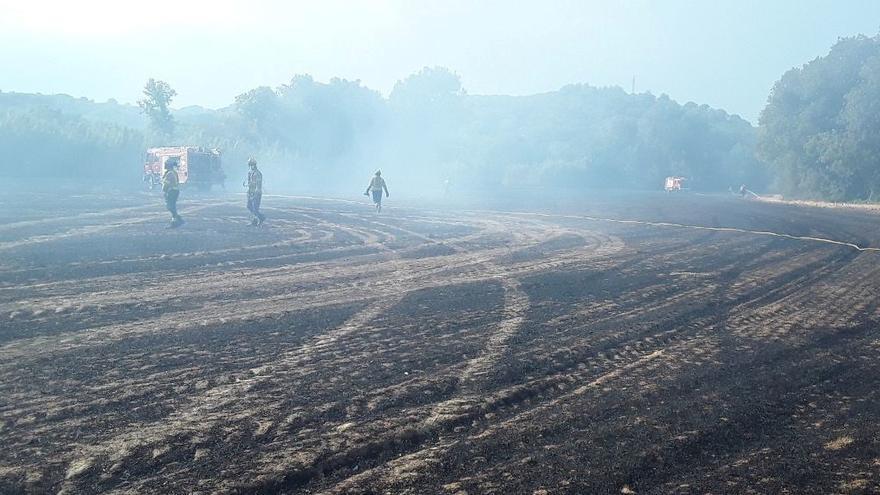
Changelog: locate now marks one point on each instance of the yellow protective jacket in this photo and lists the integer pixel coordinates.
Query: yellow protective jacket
(377, 183)
(170, 181)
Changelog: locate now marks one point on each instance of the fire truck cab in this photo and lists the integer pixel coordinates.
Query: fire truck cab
(673, 184)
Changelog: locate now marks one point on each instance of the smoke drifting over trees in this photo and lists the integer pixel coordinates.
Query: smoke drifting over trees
(328, 137)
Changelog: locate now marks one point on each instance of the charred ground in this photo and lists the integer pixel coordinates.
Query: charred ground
(421, 351)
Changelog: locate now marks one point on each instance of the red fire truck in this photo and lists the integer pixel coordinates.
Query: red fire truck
(199, 167)
(673, 183)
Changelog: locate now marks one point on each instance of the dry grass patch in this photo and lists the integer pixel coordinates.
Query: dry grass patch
(839, 443)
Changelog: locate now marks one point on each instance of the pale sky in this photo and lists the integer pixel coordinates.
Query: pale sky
(724, 53)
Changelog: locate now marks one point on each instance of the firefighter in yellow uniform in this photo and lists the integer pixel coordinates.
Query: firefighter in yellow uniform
(255, 192)
(171, 189)
(377, 185)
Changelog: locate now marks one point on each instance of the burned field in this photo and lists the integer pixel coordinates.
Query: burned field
(420, 351)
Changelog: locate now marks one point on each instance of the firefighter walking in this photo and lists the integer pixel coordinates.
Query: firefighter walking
(171, 190)
(377, 185)
(255, 192)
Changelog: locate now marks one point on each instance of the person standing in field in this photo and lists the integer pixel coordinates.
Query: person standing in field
(255, 192)
(171, 190)
(377, 185)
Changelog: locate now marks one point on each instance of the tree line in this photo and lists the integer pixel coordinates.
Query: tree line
(429, 130)
(817, 136)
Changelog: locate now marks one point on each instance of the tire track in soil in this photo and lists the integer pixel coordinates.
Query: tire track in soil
(468, 410)
(517, 301)
(204, 412)
(839, 297)
(94, 229)
(80, 466)
(103, 282)
(89, 215)
(767, 415)
(408, 435)
(419, 274)
(408, 464)
(468, 388)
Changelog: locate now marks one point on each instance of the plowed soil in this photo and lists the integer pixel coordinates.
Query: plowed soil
(645, 344)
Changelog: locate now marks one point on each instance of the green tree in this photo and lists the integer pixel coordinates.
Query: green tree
(431, 85)
(156, 105)
(819, 131)
(258, 105)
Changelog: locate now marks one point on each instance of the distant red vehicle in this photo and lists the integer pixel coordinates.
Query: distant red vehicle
(199, 166)
(673, 183)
